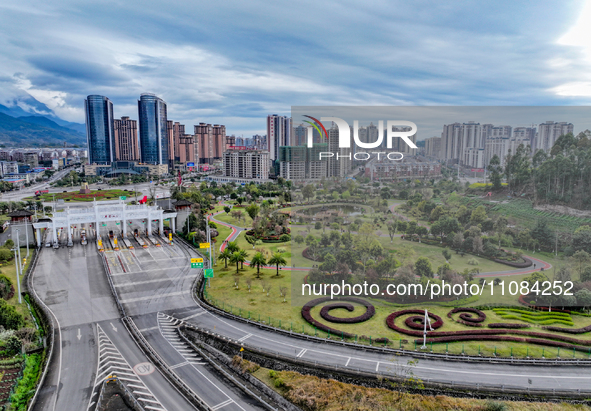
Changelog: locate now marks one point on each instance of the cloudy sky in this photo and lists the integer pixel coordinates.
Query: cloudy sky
(234, 62)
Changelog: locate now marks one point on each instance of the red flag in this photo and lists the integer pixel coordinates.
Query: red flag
(180, 178)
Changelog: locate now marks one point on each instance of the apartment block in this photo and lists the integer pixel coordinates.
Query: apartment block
(247, 164)
(126, 140)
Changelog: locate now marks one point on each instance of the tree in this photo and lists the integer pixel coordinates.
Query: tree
(252, 210)
(477, 245)
(329, 264)
(318, 225)
(232, 246)
(563, 274)
(243, 257)
(277, 260)
(227, 209)
(581, 257)
(543, 235)
(495, 169)
(586, 274)
(458, 240)
(478, 215)
(423, 267)
(258, 260)
(308, 191)
(583, 297)
(299, 239)
(283, 292)
(582, 238)
(446, 254)
(236, 258)
(225, 255)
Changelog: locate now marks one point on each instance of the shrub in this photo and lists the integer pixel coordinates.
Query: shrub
(508, 325)
(285, 237)
(473, 261)
(311, 304)
(466, 317)
(9, 317)
(26, 386)
(369, 312)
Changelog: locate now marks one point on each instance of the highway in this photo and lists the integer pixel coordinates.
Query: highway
(72, 283)
(154, 285)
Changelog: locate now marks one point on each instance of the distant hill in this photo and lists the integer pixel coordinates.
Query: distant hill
(36, 131)
(27, 106)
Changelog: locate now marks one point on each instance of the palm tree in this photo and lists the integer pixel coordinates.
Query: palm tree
(244, 256)
(225, 255)
(258, 260)
(232, 246)
(277, 260)
(236, 258)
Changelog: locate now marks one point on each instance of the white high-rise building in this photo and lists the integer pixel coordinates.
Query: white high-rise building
(549, 132)
(278, 134)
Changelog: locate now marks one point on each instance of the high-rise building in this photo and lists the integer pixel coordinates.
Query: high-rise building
(278, 134)
(154, 136)
(433, 146)
(549, 132)
(210, 142)
(100, 133)
(126, 143)
(339, 165)
(186, 151)
(178, 131)
(249, 164)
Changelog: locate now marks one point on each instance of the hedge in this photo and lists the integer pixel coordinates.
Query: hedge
(369, 312)
(390, 321)
(466, 317)
(508, 325)
(311, 304)
(26, 386)
(569, 330)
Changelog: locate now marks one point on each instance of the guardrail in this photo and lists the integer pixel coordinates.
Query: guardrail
(147, 349)
(329, 371)
(44, 311)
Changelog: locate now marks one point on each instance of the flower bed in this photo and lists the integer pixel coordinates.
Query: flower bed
(466, 316)
(569, 330)
(390, 321)
(508, 325)
(369, 312)
(311, 304)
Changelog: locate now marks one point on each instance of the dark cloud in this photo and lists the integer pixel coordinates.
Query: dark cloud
(241, 60)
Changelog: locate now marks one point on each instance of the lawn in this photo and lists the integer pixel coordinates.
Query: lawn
(255, 304)
(245, 221)
(9, 270)
(99, 195)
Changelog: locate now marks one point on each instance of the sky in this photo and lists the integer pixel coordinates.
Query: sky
(235, 62)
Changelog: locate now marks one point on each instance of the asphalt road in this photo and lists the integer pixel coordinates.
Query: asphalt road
(72, 283)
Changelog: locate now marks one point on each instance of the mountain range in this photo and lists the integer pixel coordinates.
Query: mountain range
(28, 122)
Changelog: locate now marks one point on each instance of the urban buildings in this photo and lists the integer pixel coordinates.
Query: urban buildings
(549, 132)
(474, 144)
(210, 142)
(432, 146)
(246, 164)
(153, 134)
(302, 162)
(278, 134)
(126, 142)
(100, 133)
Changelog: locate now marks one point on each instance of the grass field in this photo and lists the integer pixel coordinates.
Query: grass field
(9, 270)
(257, 305)
(245, 221)
(99, 195)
